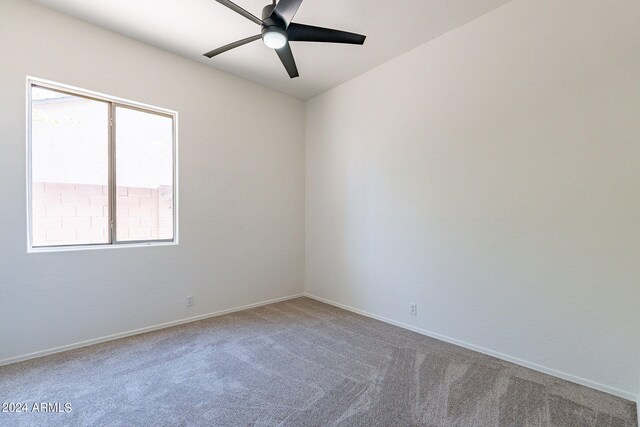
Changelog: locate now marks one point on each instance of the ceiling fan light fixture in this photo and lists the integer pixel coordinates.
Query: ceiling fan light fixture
(275, 39)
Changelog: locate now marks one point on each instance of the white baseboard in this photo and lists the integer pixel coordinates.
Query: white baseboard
(140, 331)
(508, 358)
(563, 375)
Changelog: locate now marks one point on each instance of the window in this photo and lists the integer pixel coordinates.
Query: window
(101, 170)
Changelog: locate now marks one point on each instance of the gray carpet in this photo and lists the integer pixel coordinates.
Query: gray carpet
(296, 363)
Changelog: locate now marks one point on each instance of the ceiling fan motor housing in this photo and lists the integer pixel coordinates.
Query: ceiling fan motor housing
(268, 19)
(272, 27)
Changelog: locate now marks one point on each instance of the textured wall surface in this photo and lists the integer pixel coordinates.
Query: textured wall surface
(243, 186)
(491, 176)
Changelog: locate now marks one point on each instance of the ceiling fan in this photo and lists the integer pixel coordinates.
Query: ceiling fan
(278, 31)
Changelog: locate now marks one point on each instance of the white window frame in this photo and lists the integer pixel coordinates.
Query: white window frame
(113, 103)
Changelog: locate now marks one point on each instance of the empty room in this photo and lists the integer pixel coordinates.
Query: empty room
(320, 213)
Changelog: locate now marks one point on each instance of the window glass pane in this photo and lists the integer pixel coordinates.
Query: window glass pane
(144, 175)
(70, 151)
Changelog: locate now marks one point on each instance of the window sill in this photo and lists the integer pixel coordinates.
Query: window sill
(98, 247)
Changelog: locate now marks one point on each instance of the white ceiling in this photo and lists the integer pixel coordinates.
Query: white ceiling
(193, 27)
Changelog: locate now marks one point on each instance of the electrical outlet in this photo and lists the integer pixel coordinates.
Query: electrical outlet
(413, 309)
(190, 301)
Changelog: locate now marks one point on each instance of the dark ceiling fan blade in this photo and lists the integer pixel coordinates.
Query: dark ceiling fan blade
(232, 45)
(286, 56)
(241, 11)
(286, 10)
(309, 33)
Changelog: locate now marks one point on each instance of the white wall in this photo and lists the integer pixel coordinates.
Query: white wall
(241, 191)
(492, 177)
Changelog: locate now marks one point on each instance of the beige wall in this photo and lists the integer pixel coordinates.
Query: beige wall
(492, 177)
(241, 191)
